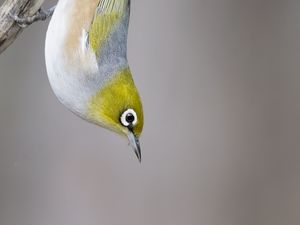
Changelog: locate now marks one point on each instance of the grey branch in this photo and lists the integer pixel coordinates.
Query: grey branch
(17, 14)
(39, 15)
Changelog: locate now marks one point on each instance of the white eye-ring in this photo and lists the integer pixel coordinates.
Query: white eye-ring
(128, 118)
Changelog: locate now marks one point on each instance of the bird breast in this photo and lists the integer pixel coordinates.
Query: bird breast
(71, 65)
(78, 64)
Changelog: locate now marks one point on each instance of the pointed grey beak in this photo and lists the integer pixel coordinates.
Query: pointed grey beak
(134, 142)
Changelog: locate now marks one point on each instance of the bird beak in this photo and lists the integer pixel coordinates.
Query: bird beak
(135, 143)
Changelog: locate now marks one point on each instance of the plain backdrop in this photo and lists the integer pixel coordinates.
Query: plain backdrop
(220, 83)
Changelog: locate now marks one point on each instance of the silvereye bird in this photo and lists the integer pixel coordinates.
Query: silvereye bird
(86, 59)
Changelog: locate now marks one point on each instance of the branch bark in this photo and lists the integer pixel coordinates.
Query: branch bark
(9, 29)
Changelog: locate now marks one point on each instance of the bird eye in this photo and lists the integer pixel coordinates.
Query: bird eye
(128, 118)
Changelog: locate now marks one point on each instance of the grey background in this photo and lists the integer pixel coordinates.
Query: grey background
(220, 84)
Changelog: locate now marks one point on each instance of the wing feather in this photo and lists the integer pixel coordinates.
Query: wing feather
(107, 15)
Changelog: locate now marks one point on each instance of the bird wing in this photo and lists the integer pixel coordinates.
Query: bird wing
(108, 31)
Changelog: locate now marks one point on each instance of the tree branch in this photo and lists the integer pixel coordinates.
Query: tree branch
(9, 11)
(40, 15)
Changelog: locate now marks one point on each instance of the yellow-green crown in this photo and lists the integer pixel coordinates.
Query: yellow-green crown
(117, 95)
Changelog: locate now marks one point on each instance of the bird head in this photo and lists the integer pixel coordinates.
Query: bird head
(117, 106)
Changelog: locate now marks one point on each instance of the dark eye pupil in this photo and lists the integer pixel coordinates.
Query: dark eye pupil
(129, 117)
